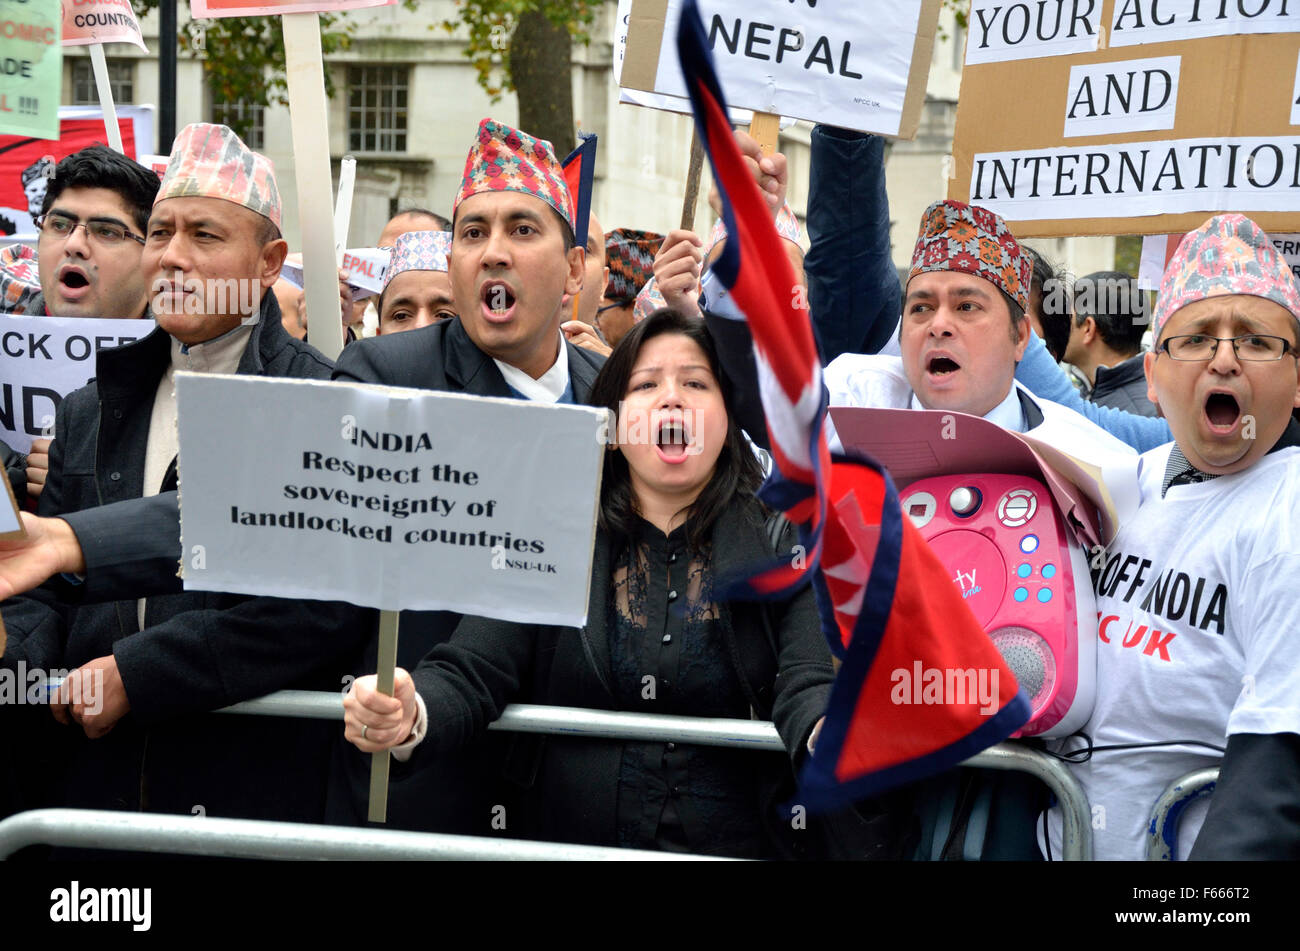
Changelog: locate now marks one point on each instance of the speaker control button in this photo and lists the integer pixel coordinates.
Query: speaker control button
(1044, 595)
(1049, 571)
(1017, 507)
(1029, 544)
(1021, 594)
(965, 501)
(1025, 570)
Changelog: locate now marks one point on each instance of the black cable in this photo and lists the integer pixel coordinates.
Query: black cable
(1084, 754)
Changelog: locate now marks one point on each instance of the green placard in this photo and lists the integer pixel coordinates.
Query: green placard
(31, 67)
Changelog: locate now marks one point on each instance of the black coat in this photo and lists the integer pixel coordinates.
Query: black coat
(776, 650)
(1123, 386)
(458, 793)
(199, 651)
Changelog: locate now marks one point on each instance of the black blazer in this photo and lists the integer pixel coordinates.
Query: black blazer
(199, 650)
(443, 357)
(776, 649)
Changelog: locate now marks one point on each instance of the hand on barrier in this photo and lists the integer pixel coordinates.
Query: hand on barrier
(38, 466)
(387, 721)
(677, 271)
(50, 547)
(583, 335)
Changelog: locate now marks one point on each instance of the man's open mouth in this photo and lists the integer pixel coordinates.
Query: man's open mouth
(942, 366)
(74, 280)
(1222, 410)
(497, 297)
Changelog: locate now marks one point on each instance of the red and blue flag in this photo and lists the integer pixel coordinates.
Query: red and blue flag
(579, 174)
(886, 602)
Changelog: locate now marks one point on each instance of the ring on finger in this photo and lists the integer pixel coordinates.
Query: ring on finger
(364, 728)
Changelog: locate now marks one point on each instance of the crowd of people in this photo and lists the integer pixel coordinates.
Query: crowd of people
(500, 300)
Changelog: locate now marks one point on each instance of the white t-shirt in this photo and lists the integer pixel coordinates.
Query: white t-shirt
(1199, 637)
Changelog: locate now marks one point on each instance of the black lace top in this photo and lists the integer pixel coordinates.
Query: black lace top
(669, 657)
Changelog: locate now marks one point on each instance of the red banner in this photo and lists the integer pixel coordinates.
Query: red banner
(26, 165)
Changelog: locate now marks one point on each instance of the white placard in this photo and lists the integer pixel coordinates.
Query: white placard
(1137, 95)
(45, 359)
(1162, 21)
(1295, 95)
(1140, 178)
(999, 31)
(652, 100)
(842, 62)
(364, 269)
(389, 498)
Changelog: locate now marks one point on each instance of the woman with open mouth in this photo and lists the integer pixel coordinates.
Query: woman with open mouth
(678, 517)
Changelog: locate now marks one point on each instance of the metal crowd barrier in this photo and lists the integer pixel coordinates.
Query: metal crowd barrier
(255, 839)
(178, 833)
(1162, 831)
(1076, 842)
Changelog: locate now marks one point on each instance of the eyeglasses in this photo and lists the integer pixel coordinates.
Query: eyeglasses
(103, 230)
(1258, 348)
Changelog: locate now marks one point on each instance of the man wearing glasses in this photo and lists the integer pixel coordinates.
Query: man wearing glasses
(1198, 661)
(91, 236)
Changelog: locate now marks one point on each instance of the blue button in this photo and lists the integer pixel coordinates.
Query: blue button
(1021, 594)
(1024, 570)
(1029, 544)
(1044, 594)
(1049, 571)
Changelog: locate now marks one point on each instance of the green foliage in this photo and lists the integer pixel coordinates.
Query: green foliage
(490, 24)
(243, 57)
(1128, 253)
(962, 10)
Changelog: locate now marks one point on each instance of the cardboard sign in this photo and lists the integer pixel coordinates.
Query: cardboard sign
(857, 64)
(389, 498)
(214, 9)
(31, 68)
(1124, 138)
(45, 359)
(100, 21)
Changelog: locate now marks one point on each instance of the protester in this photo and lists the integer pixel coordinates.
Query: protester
(91, 213)
(629, 259)
(677, 518)
(214, 250)
(293, 309)
(1105, 342)
(1197, 596)
(417, 289)
(1049, 304)
(581, 331)
(410, 219)
(92, 234)
(962, 333)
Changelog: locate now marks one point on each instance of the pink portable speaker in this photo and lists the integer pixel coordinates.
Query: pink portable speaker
(1025, 579)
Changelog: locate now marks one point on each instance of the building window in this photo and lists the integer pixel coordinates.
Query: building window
(121, 79)
(248, 119)
(377, 108)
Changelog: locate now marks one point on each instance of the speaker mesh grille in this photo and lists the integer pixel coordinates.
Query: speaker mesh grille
(1030, 659)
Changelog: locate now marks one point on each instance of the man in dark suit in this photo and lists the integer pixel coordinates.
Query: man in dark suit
(136, 733)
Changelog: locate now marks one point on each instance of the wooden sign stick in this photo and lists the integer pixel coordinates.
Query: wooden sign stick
(105, 91)
(765, 127)
(309, 124)
(692, 183)
(379, 761)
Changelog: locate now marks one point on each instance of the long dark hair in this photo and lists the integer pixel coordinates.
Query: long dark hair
(737, 470)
